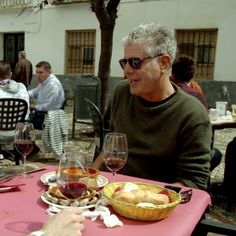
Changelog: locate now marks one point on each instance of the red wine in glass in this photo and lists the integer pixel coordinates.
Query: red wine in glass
(24, 139)
(24, 147)
(115, 151)
(73, 190)
(114, 164)
(69, 173)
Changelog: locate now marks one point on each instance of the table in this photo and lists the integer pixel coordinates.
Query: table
(23, 211)
(223, 122)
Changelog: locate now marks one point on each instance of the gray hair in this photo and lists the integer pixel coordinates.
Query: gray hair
(22, 54)
(155, 38)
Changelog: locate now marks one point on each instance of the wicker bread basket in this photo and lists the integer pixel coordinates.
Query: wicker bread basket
(135, 212)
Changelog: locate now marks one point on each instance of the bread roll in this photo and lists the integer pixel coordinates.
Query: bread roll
(138, 195)
(89, 182)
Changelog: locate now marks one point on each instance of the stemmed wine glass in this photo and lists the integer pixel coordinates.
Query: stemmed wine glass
(115, 151)
(24, 140)
(69, 173)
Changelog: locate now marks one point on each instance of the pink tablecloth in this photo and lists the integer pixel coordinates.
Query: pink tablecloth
(23, 211)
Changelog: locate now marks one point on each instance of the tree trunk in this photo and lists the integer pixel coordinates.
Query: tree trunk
(104, 63)
(106, 16)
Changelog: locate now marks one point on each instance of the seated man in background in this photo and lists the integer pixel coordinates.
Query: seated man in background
(10, 89)
(49, 94)
(184, 69)
(168, 130)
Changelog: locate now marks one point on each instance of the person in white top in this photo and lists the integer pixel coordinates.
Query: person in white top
(10, 89)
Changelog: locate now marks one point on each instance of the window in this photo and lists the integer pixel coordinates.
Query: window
(80, 52)
(201, 45)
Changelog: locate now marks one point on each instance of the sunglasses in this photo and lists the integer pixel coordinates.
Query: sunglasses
(135, 62)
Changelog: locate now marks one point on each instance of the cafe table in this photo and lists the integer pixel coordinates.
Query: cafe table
(222, 122)
(23, 211)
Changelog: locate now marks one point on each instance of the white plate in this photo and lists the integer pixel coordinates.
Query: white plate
(6, 189)
(101, 180)
(61, 206)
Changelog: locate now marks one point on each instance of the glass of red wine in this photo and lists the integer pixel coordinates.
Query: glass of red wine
(24, 141)
(115, 151)
(69, 173)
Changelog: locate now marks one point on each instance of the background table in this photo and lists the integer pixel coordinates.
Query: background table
(23, 211)
(219, 124)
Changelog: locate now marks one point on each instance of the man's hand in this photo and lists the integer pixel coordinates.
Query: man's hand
(32, 107)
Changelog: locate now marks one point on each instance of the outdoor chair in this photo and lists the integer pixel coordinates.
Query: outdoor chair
(85, 86)
(12, 111)
(97, 122)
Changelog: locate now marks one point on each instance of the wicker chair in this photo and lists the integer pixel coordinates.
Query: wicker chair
(12, 111)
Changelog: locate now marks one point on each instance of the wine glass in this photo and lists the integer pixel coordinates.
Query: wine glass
(69, 173)
(24, 141)
(115, 151)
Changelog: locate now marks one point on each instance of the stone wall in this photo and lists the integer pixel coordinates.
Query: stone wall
(214, 90)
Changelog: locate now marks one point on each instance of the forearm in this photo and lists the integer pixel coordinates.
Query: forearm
(98, 162)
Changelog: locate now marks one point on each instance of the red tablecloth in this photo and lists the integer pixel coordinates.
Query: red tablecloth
(23, 211)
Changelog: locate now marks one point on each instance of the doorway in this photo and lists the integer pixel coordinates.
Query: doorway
(13, 43)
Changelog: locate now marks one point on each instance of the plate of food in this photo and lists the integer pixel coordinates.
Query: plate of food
(98, 181)
(54, 197)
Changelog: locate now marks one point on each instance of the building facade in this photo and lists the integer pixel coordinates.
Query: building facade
(66, 33)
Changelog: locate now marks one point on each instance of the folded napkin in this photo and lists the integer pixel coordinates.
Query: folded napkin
(12, 183)
(110, 220)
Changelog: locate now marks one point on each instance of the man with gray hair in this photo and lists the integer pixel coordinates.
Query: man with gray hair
(168, 131)
(23, 71)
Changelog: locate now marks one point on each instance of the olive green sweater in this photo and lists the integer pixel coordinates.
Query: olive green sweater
(169, 142)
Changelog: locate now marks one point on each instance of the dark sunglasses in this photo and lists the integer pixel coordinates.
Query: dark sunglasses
(134, 62)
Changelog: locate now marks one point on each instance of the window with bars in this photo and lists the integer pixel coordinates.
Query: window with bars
(201, 45)
(80, 51)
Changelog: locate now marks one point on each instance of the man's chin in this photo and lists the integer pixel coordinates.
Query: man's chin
(134, 91)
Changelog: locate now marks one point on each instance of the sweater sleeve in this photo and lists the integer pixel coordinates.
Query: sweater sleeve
(193, 162)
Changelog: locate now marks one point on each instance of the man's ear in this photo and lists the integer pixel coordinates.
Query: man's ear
(165, 62)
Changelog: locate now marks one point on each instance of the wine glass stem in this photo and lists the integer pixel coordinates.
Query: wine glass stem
(24, 165)
(113, 176)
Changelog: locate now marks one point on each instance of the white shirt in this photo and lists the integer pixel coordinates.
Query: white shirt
(13, 89)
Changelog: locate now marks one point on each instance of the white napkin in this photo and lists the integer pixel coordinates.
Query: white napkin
(110, 220)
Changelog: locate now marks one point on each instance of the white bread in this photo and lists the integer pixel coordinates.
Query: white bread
(89, 182)
(137, 196)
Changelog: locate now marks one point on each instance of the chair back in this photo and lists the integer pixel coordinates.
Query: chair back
(12, 111)
(97, 121)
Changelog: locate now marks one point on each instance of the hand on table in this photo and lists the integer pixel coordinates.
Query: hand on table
(66, 223)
